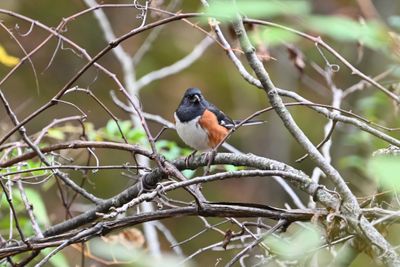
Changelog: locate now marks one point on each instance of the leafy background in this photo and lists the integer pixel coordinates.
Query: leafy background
(371, 44)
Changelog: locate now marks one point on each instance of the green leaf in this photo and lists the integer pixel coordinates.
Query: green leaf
(352, 161)
(2, 199)
(9, 169)
(33, 164)
(39, 208)
(117, 252)
(57, 260)
(125, 126)
(49, 184)
(230, 168)
(372, 106)
(358, 138)
(385, 170)
(56, 134)
(188, 173)
(90, 131)
(186, 151)
(30, 164)
(225, 10)
(112, 128)
(274, 36)
(136, 135)
(296, 245)
(372, 33)
(170, 150)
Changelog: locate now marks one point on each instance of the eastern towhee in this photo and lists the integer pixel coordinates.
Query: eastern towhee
(200, 124)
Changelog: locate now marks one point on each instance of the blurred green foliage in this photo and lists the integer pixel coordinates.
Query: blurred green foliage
(58, 260)
(118, 253)
(385, 170)
(225, 10)
(394, 21)
(224, 86)
(39, 211)
(273, 37)
(296, 245)
(373, 34)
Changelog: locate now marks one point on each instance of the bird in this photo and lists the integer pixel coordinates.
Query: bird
(200, 124)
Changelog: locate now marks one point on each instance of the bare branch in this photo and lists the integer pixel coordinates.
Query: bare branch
(176, 67)
(350, 208)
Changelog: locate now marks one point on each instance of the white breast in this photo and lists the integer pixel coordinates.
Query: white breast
(192, 134)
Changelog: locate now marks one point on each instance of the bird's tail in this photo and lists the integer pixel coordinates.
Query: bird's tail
(247, 123)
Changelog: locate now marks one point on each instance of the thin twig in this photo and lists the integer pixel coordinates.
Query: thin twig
(77, 144)
(318, 41)
(24, 51)
(103, 106)
(323, 142)
(13, 212)
(255, 243)
(29, 208)
(176, 67)
(75, 168)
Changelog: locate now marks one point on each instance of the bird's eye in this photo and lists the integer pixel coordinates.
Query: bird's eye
(195, 98)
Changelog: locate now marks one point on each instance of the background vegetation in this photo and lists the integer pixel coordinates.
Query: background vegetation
(353, 67)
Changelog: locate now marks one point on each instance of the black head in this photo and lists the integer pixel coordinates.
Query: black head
(193, 95)
(192, 105)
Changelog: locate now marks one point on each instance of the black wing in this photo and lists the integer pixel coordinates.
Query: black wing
(222, 118)
(226, 121)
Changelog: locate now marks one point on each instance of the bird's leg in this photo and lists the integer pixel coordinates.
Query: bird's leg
(187, 159)
(210, 158)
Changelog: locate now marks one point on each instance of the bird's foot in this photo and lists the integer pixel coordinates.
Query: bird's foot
(188, 158)
(210, 156)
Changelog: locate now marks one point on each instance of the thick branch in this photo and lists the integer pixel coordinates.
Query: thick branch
(209, 210)
(150, 180)
(350, 208)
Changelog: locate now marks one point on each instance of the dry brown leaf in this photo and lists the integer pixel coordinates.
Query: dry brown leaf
(129, 238)
(395, 44)
(227, 238)
(297, 57)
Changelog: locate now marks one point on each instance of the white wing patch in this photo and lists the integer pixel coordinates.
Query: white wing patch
(192, 134)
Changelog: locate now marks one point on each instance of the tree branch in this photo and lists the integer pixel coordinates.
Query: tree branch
(104, 227)
(349, 208)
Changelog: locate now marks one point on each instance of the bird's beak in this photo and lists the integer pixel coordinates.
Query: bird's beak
(195, 99)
